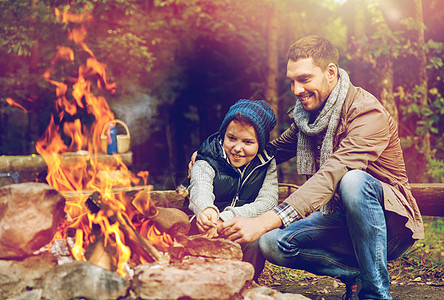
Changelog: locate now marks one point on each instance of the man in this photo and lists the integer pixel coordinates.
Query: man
(356, 210)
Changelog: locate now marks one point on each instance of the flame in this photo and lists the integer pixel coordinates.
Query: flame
(70, 147)
(11, 102)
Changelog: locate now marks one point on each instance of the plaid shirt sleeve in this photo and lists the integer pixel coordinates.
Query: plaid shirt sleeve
(287, 214)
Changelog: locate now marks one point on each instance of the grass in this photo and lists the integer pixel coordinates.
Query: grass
(424, 262)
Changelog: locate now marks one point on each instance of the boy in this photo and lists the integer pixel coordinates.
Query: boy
(235, 172)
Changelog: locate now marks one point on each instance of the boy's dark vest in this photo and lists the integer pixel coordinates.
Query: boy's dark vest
(232, 187)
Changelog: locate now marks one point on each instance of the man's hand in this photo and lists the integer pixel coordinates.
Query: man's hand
(191, 163)
(246, 230)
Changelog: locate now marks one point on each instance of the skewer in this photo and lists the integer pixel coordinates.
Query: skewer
(182, 190)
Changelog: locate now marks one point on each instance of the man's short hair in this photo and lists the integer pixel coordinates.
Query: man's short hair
(321, 50)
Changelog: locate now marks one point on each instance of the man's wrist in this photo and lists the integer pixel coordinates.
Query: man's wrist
(269, 221)
(286, 213)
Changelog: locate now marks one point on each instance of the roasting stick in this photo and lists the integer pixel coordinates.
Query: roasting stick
(182, 190)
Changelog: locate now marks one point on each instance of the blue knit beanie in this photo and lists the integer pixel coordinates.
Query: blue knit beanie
(258, 112)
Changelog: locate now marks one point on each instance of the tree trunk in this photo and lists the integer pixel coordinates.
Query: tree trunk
(357, 30)
(422, 69)
(385, 85)
(271, 84)
(384, 64)
(33, 71)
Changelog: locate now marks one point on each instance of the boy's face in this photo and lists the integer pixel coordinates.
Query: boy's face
(240, 143)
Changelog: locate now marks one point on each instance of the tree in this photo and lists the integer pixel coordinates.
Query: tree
(271, 84)
(422, 70)
(387, 43)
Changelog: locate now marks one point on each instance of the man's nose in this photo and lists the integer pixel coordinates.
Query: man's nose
(298, 89)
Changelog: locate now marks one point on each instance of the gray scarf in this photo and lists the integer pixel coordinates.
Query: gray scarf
(328, 119)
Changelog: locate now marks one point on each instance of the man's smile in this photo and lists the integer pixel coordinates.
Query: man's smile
(305, 97)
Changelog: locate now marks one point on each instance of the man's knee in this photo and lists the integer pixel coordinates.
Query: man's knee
(266, 242)
(353, 179)
(356, 184)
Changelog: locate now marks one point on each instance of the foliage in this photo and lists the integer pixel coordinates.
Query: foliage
(194, 58)
(427, 119)
(273, 273)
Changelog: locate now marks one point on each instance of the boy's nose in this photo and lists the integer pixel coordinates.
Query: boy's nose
(238, 147)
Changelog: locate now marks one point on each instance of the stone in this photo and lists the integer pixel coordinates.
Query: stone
(80, 279)
(196, 278)
(20, 276)
(29, 216)
(266, 293)
(197, 245)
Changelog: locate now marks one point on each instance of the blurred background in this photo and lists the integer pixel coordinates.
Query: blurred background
(179, 65)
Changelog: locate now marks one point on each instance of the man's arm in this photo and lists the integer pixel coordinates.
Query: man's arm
(286, 144)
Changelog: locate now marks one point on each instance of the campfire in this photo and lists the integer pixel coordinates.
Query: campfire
(82, 114)
(94, 219)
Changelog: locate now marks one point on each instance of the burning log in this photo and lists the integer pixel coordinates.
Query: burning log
(99, 255)
(169, 220)
(136, 241)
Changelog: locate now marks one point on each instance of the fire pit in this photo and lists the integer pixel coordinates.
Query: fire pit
(213, 265)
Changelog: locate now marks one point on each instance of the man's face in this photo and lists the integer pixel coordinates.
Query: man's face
(310, 83)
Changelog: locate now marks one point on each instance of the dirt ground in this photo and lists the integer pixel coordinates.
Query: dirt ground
(326, 288)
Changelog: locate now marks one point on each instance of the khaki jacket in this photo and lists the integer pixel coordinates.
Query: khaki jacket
(366, 139)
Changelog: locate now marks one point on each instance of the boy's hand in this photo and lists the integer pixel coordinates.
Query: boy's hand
(207, 221)
(212, 233)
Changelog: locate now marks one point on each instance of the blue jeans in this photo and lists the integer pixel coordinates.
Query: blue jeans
(349, 244)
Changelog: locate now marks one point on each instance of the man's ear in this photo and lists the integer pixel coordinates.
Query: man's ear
(332, 72)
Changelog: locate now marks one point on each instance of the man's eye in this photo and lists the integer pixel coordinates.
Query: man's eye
(231, 138)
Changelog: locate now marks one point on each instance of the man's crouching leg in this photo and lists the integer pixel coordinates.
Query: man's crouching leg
(362, 196)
